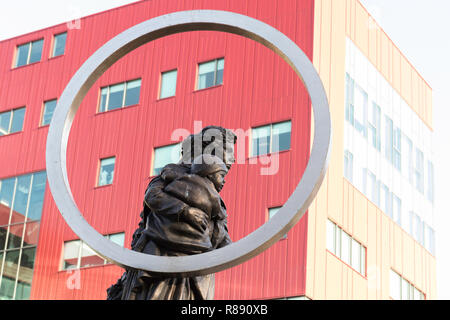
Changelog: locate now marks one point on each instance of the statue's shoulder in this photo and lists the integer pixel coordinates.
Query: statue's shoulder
(173, 171)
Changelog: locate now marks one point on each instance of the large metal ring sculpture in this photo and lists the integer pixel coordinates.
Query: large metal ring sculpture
(150, 30)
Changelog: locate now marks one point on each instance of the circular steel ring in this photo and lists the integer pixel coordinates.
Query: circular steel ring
(150, 30)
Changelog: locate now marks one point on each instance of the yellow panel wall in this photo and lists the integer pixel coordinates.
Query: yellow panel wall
(388, 246)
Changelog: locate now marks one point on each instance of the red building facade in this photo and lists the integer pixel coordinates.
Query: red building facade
(258, 89)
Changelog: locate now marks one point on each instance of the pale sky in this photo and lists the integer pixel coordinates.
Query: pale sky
(419, 28)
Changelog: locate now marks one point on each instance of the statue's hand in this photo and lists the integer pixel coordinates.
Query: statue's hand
(196, 218)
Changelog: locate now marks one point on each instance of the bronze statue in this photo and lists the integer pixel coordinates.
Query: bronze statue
(183, 215)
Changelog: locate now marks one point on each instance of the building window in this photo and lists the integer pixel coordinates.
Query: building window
(49, 108)
(12, 121)
(120, 95)
(401, 289)
(164, 156)
(78, 254)
(416, 227)
(429, 239)
(210, 73)
(271, 138)
(371, 187)
(348, 165)
(397, 209)
(59, 44)
(418, 171)
(168, 84)
(28, 53)
(272, 213)
(106, 172)
(397, 149)
(21, 202)
(356, 106)
(408, 159)
(346, 248)
(375, 126)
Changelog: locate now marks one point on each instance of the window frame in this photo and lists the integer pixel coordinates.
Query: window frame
(11, 120)
(270, 151)
(99, 171)
(215, 73)
(30, 49)
(337, 244)
(152, 167)
(80, 251)
(41, 124)
(52, 51)
(161, 76)
(124, 98)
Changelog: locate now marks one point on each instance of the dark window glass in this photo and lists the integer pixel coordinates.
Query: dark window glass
(133, 93)
(22, 55)
(5, 121)
(17, 120)
(15, 236)
(59, 45)
(3, 231)
(36, 51)
(11, 265)
(49, 108)
(37, 196)
(281, 136)
(116, 96)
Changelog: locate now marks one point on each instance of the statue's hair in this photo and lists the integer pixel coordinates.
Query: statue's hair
(196, 144)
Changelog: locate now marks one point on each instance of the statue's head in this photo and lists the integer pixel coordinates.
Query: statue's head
(212, 168)
(212, 140)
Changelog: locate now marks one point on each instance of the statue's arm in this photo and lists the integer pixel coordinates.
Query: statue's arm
(161, 202)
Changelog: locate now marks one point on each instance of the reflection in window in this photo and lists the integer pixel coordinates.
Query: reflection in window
(164, 156)
(106, 173)
(210, 73)
(21, 201)
(120, 95)
(168, 84)
(49, 108)
(11, 121)
(29, 53)
(77, 254)
(59, 44)
(271, 138)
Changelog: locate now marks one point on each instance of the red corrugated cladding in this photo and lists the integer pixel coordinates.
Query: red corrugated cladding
(259, 88)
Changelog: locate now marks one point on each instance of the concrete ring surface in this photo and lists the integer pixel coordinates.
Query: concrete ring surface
(249, 246)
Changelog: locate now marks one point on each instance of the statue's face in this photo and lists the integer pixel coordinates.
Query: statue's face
(218, 179)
